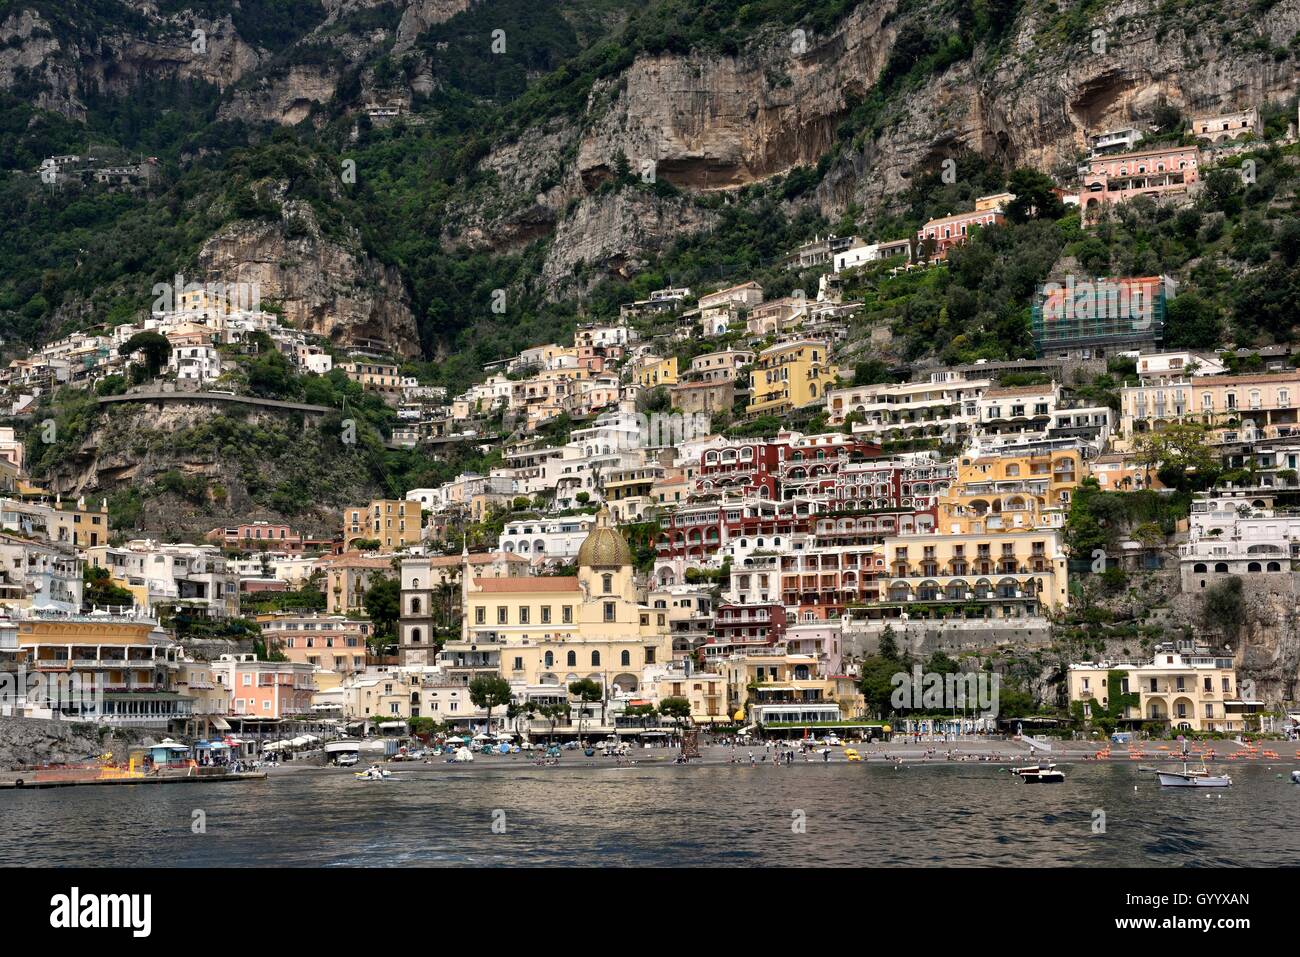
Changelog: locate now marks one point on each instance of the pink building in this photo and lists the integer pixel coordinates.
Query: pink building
(949, 231)
(266, 689)
(1153, 172)
(252, 533)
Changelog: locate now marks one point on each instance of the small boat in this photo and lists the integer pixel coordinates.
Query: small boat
(1040, 774)
(1190, 777)
(373, 773)
(1295, 777)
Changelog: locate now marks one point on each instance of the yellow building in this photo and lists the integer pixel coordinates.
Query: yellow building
(550, 631)
(707, 693)
(347, 578)
(779, 688)
(1003, 574)
(655, 372)
(1190, 688)
(132, 667)
(382, 377)
(394, 523)
(790, 376)
(998, 493)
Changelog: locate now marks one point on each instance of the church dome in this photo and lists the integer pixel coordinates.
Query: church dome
(604, 547)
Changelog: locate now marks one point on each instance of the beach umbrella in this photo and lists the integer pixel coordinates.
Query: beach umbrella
(455, 740)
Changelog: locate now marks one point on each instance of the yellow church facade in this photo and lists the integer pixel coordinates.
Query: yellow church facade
(550, 631)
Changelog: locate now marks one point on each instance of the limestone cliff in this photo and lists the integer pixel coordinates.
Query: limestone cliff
(63, 66)
(320, 284)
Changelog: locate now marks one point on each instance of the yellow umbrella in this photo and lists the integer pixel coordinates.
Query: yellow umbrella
(739, 716)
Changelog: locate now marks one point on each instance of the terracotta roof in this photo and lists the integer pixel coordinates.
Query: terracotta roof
(475, 558)
(559, 583)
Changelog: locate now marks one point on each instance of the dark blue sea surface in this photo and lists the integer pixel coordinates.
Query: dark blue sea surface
(808, 814)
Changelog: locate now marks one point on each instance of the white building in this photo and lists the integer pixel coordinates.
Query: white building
(546, 538)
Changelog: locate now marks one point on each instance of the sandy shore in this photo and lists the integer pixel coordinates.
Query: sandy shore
(967, 750)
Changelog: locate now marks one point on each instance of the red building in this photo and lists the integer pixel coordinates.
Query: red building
(752, 468)
(738, 627)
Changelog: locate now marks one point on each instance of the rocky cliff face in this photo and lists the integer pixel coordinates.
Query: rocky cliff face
(1267, 647)
(321, 286)
(609, 233)
(242, 463)
(1035, 104)
(32, 51)
(718, 122)
(419, 15)
(28, 741)
(286, 99)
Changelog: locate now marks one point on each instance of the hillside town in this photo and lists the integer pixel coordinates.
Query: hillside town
(705, 513)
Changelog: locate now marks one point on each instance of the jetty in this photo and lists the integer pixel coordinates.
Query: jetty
(51, 778)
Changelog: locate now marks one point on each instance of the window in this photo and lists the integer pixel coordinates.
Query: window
(595, 659)
(501, 614)
(566, 614)
(546, 614)
(609, 611)
(480, 615)
(625, 659)
(523, 615)
(549, 659)
(572, 659)
(607, 583)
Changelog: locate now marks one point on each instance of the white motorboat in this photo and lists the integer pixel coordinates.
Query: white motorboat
(1191, 777)
(1295, 777)
(1040, 774)
(373, 773)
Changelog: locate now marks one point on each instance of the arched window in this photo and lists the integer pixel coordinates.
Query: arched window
(626, 659)
(415, 606)
(595, 659)
(572, 660)
(415, 636)
(549, 658)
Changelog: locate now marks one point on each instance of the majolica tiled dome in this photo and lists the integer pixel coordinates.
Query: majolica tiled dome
(604, 547)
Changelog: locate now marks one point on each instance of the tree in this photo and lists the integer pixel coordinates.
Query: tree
(553, 713)
(888, 644)
(382, 607)
(587, 691)
(157, 350)
(99, 589)
(1224, 609)
(1035, 196)
(489, 691)
(642, 711)
(1176, 450)
(878, 684)
(676, 708)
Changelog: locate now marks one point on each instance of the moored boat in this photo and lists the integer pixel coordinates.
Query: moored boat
(1190, 777)
(1039, 774)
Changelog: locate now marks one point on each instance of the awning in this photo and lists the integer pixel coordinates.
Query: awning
(221, 724)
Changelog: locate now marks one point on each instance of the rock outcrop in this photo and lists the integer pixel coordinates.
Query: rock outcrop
(321, 285)
(64, 66)
(29, 741)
